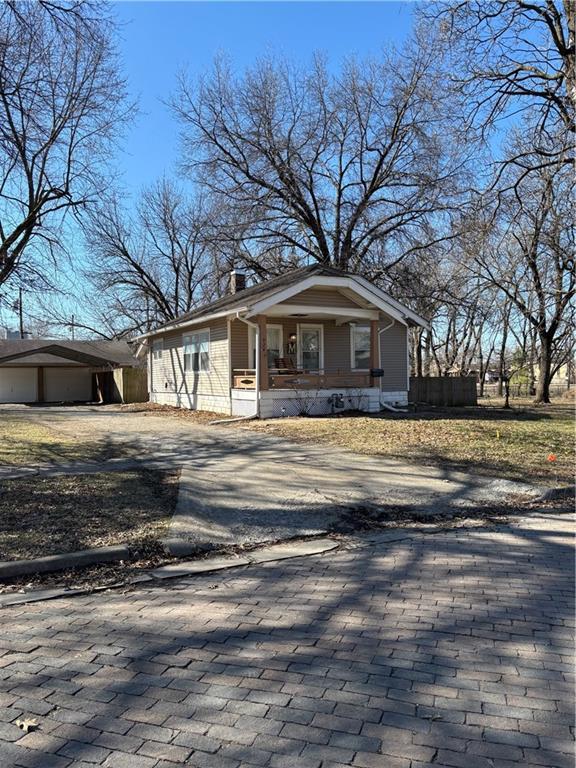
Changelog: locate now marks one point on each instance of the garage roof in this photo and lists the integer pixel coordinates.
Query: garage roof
(94, 353)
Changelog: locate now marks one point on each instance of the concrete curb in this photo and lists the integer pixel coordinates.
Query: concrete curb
(193, 567)
(291, 549)
(12, 568)
(179, 570)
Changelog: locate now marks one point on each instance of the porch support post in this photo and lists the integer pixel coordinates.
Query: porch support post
(374, 327)
(40, 386)
(263, 352)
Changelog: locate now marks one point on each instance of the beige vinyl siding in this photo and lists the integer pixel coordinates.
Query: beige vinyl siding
(337, 347)
(336, 342)
(168, 375)
(321, 297)
(394, 357)
(239, 345)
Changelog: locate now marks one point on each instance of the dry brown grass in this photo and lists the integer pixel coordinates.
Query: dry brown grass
(24, 441)
(487, 440)
(64, 513)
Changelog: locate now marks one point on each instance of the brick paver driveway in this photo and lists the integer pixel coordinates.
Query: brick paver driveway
(443, 649)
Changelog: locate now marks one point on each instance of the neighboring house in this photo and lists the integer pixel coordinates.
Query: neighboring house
(56, 370)
(315, 340)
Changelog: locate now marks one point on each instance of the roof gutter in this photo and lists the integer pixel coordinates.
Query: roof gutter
(256, 413)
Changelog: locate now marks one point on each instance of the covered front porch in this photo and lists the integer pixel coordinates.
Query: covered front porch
(317, 360)
(320, 348)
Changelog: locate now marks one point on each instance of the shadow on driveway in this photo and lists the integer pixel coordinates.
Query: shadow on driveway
(452, 649)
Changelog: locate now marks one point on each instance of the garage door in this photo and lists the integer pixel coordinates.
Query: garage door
(18, 385)
(67, 384)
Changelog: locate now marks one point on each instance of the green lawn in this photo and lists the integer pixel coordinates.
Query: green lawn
(487, 440)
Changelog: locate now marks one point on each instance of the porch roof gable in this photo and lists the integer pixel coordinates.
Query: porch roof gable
(262, 296)
(363, 288)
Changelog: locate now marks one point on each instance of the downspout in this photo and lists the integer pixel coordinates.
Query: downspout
(256, 413)
(386, 406)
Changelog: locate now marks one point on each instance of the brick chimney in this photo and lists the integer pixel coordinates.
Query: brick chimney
(237, 281)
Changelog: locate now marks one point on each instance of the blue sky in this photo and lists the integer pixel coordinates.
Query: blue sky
(161, 38)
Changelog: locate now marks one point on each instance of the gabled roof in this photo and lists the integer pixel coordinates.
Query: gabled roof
(259, 294)
(241, 298)
(95, 353)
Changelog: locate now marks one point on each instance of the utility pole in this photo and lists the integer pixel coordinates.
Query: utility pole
(72, 327)
(20, 312)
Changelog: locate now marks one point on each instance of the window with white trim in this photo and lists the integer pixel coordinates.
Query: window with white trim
(157, 348)
(274, 344)
(360, 340)
(197, 352)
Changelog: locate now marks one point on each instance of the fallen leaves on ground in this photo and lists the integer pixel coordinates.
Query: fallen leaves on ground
(67, 513)
(24, 441)
(27, 724)
(489, 441)
(154, 409)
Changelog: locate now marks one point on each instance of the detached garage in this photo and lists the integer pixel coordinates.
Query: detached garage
(53, 371)
(18, 385)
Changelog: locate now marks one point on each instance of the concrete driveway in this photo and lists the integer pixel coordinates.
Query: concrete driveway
(451, 650)
(239, 486)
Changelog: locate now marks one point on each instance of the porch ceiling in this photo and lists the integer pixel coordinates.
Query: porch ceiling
(305, 311)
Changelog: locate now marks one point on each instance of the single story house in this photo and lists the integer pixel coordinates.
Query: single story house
(59, 370)
(312, 341)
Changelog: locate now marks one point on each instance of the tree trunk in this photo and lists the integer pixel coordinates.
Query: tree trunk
(531, 371)
(417, 352)
(502, 371)
(507, 393)
(545, 361)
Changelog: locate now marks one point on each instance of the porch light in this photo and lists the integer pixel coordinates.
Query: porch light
(292, 337)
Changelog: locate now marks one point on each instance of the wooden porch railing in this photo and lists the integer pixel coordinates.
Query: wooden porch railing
(244, 378)
(300, 379)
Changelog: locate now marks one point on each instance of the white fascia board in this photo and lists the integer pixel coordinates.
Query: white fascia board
(281, 310)
(371, 294)
(187, 323)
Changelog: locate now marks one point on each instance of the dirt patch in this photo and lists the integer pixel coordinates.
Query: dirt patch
(153, 409)
(66, 513)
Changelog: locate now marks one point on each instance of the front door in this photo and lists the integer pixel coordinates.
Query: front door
(311, 348)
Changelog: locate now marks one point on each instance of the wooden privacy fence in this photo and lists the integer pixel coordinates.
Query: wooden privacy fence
(443, 390)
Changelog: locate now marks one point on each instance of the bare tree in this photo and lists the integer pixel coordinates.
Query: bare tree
(350, 170)
(154, 265)
(510, 58)
(61, 103)
(530, 260)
